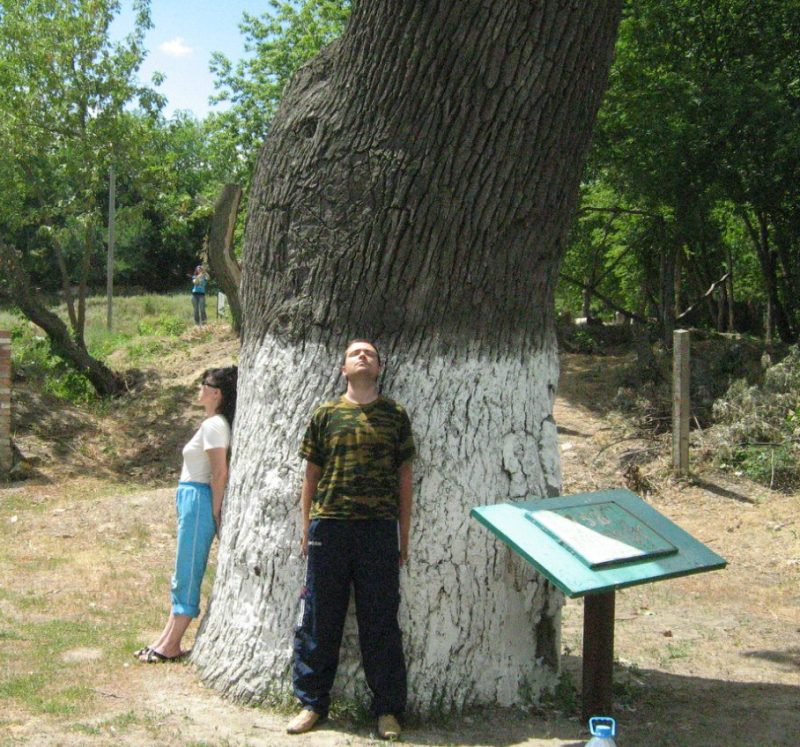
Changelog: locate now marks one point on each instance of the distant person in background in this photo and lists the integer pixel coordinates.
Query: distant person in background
(198, 504)
(199, 283)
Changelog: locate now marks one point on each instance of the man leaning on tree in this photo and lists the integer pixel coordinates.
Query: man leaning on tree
(356, 514)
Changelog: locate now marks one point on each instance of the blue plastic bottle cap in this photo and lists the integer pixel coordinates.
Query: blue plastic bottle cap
(602, 730)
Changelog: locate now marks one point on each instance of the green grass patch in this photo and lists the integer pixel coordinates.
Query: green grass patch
(66, 701)
(129, 311)
(32, 356)
(564, 696)
(773, 465)
(18, 503)
(40, 563)
(119, 723)
(31, 602)
(25, 687)
(37, 692)
(36, 674)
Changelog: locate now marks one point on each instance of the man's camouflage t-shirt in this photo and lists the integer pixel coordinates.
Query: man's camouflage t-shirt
(360, 448)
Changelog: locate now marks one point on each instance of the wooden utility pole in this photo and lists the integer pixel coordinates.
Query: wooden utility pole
(680, 401)
(110, 267)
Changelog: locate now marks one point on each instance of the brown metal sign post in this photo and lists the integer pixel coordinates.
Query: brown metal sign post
(598, 654)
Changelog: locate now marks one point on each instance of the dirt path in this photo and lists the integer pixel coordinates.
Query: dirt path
(706, 660)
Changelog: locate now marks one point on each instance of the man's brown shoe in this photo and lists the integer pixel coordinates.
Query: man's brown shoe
(304, 721)
(388, 728)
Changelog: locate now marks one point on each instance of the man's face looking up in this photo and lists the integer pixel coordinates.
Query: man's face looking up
(361, 361)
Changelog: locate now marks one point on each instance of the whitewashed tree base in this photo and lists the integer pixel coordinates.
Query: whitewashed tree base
(470, 608)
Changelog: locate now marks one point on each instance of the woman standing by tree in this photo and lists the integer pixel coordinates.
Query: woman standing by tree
(199, 508)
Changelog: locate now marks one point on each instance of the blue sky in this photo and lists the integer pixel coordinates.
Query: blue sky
(184, 36)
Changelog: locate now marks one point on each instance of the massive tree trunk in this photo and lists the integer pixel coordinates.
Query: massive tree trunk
(416, 187)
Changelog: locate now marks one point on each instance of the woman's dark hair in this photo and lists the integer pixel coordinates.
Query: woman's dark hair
(224, 379)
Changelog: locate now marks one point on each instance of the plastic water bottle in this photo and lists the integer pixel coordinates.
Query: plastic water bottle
(603, 729)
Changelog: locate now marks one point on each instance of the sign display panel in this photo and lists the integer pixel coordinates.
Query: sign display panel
(601, 533)
(595, 542)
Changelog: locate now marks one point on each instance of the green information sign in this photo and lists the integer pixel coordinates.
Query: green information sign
(589, 545)
(594, 542)
(601, 534)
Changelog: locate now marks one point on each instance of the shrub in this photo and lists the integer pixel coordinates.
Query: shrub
(32, 356)
(759, 426)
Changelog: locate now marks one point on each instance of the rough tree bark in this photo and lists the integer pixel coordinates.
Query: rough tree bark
(224, 266)
(416, 187)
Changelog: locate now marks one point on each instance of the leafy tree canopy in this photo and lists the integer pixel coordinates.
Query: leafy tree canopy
(278, 42)
(701, 129)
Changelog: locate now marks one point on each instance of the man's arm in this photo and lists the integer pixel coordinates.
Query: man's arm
(310, 482)
(405, 480)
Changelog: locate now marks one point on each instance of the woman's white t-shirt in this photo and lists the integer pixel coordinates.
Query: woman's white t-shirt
(214, 433)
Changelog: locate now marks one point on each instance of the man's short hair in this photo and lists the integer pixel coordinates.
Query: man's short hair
(360, 339)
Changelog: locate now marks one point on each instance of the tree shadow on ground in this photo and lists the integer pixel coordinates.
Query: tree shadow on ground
(656, 708)
(572, 432)
(591, 381)
(159, 418)
(498, 727)
(48, 431)
(789, 658)
(722, 492)
(652, 709)
(139, 438)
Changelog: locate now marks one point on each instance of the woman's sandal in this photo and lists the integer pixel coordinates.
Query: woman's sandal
(154, 657)
(141, 652)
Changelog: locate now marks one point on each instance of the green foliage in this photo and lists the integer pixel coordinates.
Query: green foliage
(694, 162)
(164, 324)
(141, 323)
(278, 42)
(564, 697)
(65, 90)
(773, 465)
(759, 426)
(32, 356)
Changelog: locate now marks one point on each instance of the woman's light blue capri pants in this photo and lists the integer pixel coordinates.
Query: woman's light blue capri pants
(196, 530)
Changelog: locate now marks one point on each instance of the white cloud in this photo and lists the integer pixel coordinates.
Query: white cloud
(176, 47)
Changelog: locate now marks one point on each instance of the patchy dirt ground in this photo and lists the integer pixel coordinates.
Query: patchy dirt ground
(707, 660)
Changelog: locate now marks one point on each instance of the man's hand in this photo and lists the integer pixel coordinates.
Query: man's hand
(310, 481)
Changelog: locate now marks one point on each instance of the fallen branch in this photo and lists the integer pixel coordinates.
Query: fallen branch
(702, 298)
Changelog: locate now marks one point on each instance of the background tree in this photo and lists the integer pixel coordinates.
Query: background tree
(276, 43)
(64, 89)
(701, 127)
(166, 201)
(416, 187)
